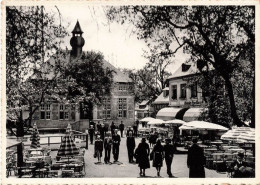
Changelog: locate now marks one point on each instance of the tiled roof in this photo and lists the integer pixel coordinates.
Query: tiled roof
(118, 76)
(161, 99)
(179, 72)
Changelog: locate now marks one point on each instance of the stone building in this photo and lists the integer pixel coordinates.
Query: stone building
(184, 101)
(117, 107)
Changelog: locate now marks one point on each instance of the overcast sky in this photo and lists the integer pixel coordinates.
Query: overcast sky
(117, 42)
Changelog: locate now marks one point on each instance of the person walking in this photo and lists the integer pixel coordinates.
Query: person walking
(98, 126)
(102, 131)
(196, 160)
(113, 127)
(98, 148)
(135, 128)
(121, 128)
(157, 156)
(116, 143)
(130, 143)
(108, 146)
(169, 150)
(142, 156)
(91, 132)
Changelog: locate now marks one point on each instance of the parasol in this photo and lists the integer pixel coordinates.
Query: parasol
(202, 125)
(156, 122)
(175, 122)
(147, 119)
(67, 147)
(35, 137)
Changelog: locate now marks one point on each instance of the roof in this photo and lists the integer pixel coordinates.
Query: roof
(180, 73)
(161, 99)
(118, 76)
(144, 102)
(77, 28)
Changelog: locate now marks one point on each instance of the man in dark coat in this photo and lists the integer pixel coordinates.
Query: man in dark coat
(169, 151)
(116, 142)
(121, 128)
(113, 127)
(135, 129)
(130, 143)
(238, 167)
(91, 132)
(196, 160)
(107, 146)
(98, 126)
(94, 125)
(102, 131)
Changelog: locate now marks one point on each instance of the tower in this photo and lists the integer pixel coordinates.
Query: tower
(77, 41)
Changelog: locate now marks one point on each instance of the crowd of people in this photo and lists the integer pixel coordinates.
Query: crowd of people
(109, 140)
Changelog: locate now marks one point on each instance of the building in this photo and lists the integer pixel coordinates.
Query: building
(161, 101)
(117, 107)
(185, 101)
(144, 109)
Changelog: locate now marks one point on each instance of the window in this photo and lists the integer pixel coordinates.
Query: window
(123, 87)
(193, 89)
(107, 108)
(64, 114)
(165, 93)
(183, 90)
(174, 92)
(45, 111)
(48, 115)
(122, 108)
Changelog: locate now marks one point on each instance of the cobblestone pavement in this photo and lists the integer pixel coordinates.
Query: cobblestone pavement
(179, 167)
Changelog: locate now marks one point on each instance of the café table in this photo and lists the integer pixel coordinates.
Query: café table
(30, 163)
(236, 150)
(217, 156)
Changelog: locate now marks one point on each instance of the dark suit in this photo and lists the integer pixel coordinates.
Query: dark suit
(107, 146)
(238, 173)
(116, 142)
(169, 151)
(91, 134)
(121, 128)
(130, 143)
(196, 161)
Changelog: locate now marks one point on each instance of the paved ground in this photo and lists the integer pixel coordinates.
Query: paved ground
(179, 167)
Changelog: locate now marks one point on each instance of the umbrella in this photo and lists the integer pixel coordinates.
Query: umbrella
(202, 125)
(35, 138)
(240, 134)
(147, 119)
(155, 122)
(175, 122)
(67, 147)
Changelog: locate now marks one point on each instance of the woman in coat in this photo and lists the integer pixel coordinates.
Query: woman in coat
(157, 156)
(142, 156)
(98, 148)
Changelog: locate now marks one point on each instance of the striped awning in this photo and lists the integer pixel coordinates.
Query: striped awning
(167, 113)
(192, 114)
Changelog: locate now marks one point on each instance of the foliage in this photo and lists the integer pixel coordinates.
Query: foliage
(218, 35)
(89, 80)
(32, 36)
(148, 84)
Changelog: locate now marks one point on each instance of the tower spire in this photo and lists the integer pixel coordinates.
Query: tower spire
(77, 41)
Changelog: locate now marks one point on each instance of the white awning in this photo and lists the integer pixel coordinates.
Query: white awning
(192, 114)
(167, 113)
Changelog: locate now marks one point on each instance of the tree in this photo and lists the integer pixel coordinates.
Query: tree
(208, 33)
(32, 36)
(89, 80)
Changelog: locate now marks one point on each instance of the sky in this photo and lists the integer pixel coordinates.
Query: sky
(117, 42)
